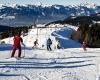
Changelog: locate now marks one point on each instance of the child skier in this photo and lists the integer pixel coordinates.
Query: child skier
(35, 43)
(58, 44)
(84, 46)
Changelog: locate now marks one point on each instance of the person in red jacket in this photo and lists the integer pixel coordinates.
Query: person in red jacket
(36, 44)
(17, 41)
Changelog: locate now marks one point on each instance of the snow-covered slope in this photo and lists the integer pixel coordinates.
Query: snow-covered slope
(67, 64)
(63, 64)
(62, 33)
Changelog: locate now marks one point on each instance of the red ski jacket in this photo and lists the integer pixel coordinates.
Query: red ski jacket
(17, 40)
(84, 45)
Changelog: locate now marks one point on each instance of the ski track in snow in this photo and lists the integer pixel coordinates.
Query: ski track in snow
(67, 64)
(38, 64)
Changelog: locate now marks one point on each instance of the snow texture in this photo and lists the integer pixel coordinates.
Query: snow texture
(69, 63)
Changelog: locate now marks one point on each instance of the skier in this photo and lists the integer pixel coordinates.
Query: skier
(17, 41)
(84, 46)
(35, 43)
(49, 43)
(58, 44)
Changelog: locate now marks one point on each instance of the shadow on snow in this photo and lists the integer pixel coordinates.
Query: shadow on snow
(64, 37)
(4, 47)
(46, 65)
(9, 75)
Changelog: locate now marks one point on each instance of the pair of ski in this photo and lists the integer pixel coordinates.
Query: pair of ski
(13, 59)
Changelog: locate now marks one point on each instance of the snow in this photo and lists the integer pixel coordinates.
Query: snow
(1, 6)
(40, 25)
(98, 22)
(68, 63)
(57, 7)
(7, 17)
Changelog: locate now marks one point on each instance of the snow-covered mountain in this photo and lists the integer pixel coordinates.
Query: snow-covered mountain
(28, 14)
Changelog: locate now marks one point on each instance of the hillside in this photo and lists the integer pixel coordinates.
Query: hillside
(30, 14)
(78, 20)
(61, 33)
(70, 63)
(88, 28)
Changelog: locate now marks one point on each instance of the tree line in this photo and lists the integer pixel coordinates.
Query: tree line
(90, 33)
(14, 31)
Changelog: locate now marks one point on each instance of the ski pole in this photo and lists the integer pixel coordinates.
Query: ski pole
(24, 49)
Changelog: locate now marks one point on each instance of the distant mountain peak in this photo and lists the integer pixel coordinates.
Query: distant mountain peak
(16, 14)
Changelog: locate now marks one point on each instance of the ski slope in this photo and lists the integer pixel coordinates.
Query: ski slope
(62, 33)
(69, 63)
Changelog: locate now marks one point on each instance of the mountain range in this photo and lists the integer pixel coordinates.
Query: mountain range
(29, 14)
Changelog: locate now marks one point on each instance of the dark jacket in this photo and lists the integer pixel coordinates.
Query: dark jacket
(49, 41)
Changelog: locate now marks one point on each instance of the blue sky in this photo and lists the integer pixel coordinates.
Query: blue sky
(49, 2)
